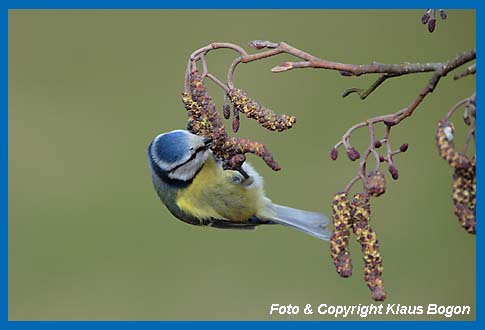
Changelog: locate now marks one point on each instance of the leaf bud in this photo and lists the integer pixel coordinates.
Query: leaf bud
(394, 172)
(404, 147)
(334, 154)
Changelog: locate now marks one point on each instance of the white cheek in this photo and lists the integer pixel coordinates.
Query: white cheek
(188, 171)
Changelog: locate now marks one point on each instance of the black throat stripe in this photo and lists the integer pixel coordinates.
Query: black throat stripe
(163, 175)
(199, 149)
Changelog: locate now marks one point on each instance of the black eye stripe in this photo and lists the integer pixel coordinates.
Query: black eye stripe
(199, 149)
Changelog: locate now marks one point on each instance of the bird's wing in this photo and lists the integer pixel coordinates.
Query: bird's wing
(224, 224)
(217, 223)
(252, 223)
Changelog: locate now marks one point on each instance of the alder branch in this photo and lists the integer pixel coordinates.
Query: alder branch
(205, 120)
(386, 71)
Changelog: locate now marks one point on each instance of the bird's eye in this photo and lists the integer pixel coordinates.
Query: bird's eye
(191, 148)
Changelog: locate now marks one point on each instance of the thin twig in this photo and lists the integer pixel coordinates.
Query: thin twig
(364, 93)
(469, 71)
(388, 145)
(351, 183)
(217, 81)
(471, 133)
(458, 105)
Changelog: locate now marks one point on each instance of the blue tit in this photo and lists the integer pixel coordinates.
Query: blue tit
(192, 184)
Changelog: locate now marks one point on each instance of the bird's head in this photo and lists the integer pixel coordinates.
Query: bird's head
(179, 154)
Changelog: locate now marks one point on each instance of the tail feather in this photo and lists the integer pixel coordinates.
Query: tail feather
(312, 223)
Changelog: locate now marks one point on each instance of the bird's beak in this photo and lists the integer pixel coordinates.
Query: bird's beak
(208, 142)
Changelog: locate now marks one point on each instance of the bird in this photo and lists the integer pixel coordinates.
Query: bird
(194, 186)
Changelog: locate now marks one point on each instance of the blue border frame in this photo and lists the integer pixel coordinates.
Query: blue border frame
(247, 4)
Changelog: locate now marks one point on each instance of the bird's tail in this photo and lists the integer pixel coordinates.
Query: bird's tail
(312, 223)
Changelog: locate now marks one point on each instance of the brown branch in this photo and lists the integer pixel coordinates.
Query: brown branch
(386, 71)
(375, 67)
(395, 118)
(440, 69)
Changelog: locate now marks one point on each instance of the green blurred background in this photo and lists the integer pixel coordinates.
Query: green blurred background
(88, 237)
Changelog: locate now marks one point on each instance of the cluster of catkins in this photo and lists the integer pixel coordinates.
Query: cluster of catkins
(204, 120)
(354, 216)
(265, 117)
(429, 18)
(464, 176)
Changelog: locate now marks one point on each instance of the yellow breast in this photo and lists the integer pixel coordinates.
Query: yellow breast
(214, 194)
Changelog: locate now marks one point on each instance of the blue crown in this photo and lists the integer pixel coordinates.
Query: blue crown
(171, 147)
